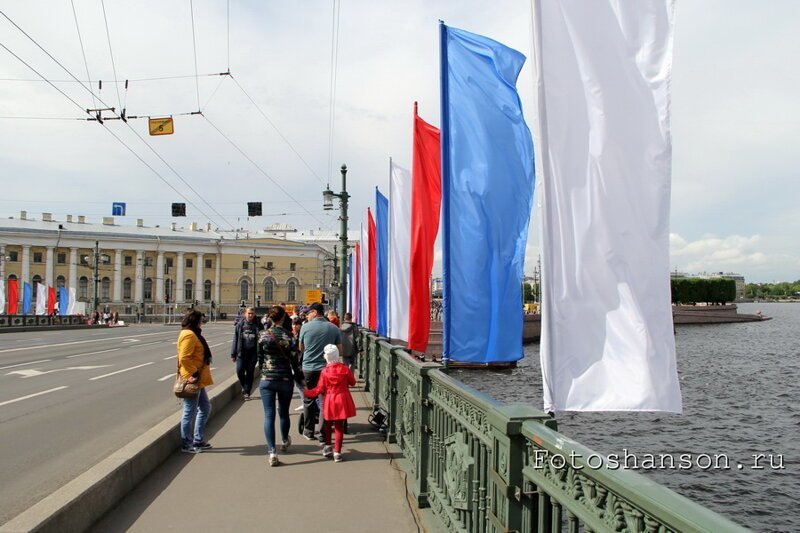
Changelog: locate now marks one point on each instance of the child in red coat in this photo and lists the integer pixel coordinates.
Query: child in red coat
(337, 404)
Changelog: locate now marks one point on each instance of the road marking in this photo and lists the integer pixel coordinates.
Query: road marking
(23, 364)
(32, 395)
(147, 344)
(120, 371)
(218, 344)
(92, 353)
(169, 357)
(165, 378)
(40, 346)
(31, 372)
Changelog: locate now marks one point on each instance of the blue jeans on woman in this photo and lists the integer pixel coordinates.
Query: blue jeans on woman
(195, 415)
(270, 389)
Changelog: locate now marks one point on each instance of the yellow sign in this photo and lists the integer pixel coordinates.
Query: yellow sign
(161, 126)
(312, 296)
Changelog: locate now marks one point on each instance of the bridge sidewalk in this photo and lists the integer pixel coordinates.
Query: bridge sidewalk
(232, 488)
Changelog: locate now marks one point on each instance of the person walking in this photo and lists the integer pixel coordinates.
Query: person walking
(349, 341)
(244, 350)
(279, 365)
(314, 336)
(333, 317)
(334, 383)
(194, 365)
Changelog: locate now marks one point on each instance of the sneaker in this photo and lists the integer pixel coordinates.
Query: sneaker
(308, 435)
(299, 407)
(337, 458)
(246, 396)
(202, 446)
(273, 459)
(286, 444)
(191, 449)
(327, 451)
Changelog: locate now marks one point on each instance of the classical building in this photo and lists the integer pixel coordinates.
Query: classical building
(158, 269)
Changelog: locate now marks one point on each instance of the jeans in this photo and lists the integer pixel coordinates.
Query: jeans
(311, 410)
(195, 413)
(269, 390)
(245, 369)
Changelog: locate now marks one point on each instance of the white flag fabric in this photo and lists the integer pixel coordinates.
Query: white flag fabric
(602, 78)
(2, 296)
(71, 304)
(41, 299)
(399, 250)
(365, 272)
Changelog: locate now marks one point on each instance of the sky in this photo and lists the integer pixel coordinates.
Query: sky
(266, 132)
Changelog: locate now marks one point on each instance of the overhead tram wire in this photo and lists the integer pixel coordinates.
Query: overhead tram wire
(177, 174)
(194, 48)
(111, 53)
(83, 49)
(281, 135)
(110, 132)
(159, 78)
(270, 178)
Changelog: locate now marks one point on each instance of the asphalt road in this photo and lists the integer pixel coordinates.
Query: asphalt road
(68, 399)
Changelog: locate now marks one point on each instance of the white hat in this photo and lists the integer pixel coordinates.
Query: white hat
(331, 353)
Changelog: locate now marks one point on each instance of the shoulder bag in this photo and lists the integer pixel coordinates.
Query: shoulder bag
(184, 389)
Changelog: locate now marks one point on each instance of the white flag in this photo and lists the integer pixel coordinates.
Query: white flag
(2, 296)
(365, 272)
(603, 75)
(71, 302)
(41, 299)
(399, 251)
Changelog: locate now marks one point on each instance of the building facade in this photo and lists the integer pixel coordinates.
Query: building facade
(158, 270)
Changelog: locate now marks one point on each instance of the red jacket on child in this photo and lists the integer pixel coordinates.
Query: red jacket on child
(334, 383)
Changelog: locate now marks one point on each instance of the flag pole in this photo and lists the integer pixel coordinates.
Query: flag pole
(445, 155)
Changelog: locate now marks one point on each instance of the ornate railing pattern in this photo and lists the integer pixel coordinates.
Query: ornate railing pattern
(483, 466)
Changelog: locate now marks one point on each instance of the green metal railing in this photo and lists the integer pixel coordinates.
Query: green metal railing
(484, 466)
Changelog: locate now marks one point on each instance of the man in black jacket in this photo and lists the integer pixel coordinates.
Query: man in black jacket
(244, 350)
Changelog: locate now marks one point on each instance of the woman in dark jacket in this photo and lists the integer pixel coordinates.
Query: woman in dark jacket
(279, 363)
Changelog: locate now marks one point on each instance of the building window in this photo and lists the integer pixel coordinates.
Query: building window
(169, 262)
(37, 279)
(148, 289)
(168, 290)
(208, 263)
(127, 260)
(189, 263)
(270, 266)
(126, 289)
(61, 259)
(291, 290)
(37, 257)
(83, 288)
(187, 290)
(12, 257)
(61, 282)
(105, 289)
(244, 292)
(245, 264)
(207, 290)
(293, 267)
(269, 290)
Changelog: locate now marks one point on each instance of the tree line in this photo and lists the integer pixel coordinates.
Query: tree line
(784, 289)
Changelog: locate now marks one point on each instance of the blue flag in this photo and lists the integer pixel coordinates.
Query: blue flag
(487, 196)
(382, 263)
(27, 296)
(63, 300)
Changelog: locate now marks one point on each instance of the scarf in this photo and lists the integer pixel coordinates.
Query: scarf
(206, 349)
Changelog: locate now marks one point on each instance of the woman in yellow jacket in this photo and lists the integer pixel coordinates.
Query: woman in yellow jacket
(194, 360)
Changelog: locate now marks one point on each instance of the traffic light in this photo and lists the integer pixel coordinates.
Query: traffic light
(179, 210)
(254, 209)
(324, 298)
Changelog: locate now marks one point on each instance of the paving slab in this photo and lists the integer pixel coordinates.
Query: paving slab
(233, 488)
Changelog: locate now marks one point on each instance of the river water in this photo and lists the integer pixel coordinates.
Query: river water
(740, 398)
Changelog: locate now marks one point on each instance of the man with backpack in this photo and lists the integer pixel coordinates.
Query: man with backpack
(349, 341)
(244, 350)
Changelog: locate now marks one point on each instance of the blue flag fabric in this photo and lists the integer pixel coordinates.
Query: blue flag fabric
(487, 196)
(382, 263)
(27, 296)
(63, 300)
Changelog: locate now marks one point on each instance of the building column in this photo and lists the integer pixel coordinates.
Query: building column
(217, 277)
(117, 276)
(139, 286)
(26, 270)
(48, 267)
(2, 265)
(160, 278)
(73, 269)
(179, 296)
(198, 286)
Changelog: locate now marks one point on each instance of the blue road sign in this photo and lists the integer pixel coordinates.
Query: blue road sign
(118, 209)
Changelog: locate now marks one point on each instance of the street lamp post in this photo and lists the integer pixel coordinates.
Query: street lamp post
(96, 277)
(327, 196)
(255, 259)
